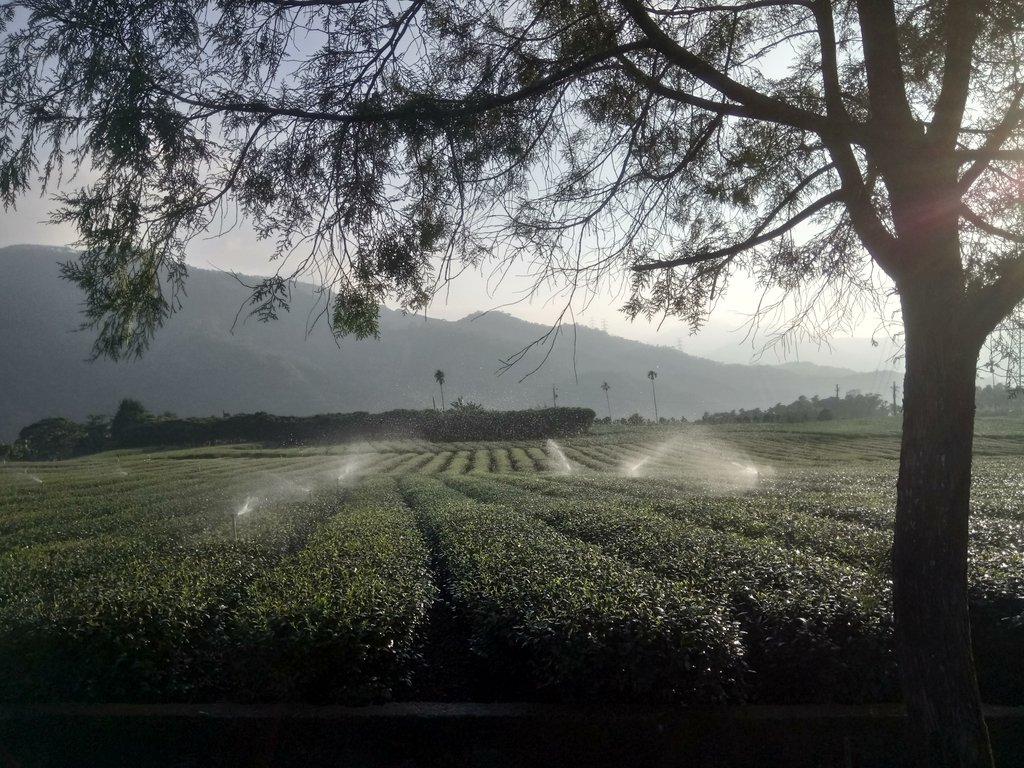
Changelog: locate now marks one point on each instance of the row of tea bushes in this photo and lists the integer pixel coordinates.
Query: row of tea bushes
(342, 619)
(996, 593)
(137, 617)
(813, 629)
(113, 619)
(752, 514)
(158, 499)
(567, 621)
(783, 530)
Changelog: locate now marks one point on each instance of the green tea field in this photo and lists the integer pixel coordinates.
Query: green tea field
(659, 565)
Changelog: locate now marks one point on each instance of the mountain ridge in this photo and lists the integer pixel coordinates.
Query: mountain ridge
(198, 365)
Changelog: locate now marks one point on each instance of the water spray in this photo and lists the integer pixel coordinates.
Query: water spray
(243, 510)
(633, 470)
(554, 448)
(347, 470)
(748, 469)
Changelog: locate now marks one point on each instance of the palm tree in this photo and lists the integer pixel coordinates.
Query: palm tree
(652, 375)
(606, 386)
(439, 378)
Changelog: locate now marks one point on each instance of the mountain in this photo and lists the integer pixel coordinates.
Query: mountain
(198, 366)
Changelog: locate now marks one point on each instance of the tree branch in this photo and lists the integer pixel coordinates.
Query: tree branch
(793, 194)
(887, 91)
(425, 108)
(229, 183)
(993, 302)
(1001, 155)
(835, 108)
(759, 106)
(751, 242)
(656, 86)
(989, 228)
(738, 8)
(961, 34)
(310, 3)
(869, 228)
(984, 156)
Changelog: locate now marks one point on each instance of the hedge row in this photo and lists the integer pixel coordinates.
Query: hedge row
(569, 622)
(454, 425)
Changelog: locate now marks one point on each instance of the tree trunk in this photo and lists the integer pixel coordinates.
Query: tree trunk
(933, 638)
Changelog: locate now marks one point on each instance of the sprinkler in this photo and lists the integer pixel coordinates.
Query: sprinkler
(636, 467)
(565, 467)
(247, 507)
(749, 470)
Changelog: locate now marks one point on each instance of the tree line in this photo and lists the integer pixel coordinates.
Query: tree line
(999, 400)
(133, 426)
(854, 406)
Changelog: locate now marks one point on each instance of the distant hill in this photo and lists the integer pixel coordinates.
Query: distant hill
(197, 366)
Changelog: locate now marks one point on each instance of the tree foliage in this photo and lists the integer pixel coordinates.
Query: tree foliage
(373, 141)
(439, 378)
(130, 414)
(854, 406)
(370, 139)
(49, 439)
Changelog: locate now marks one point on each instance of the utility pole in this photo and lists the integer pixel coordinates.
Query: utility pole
(554, 397)
(894, 411)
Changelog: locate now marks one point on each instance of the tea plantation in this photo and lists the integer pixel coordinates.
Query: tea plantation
(661, 565)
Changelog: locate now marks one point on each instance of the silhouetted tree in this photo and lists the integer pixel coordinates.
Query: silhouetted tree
(652, 375)
(439, 378)
(50, 439)
(97, 434)
(606, 386)
(129, 413)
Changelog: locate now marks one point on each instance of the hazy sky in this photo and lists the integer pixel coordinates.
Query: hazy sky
(725, 338)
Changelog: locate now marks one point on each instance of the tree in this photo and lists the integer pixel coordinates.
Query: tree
(130, 413)
(466, 407)
(97, 430)
(439, 378)
(50, 439)
(374, 141)
(652, 375)
(606, 386)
